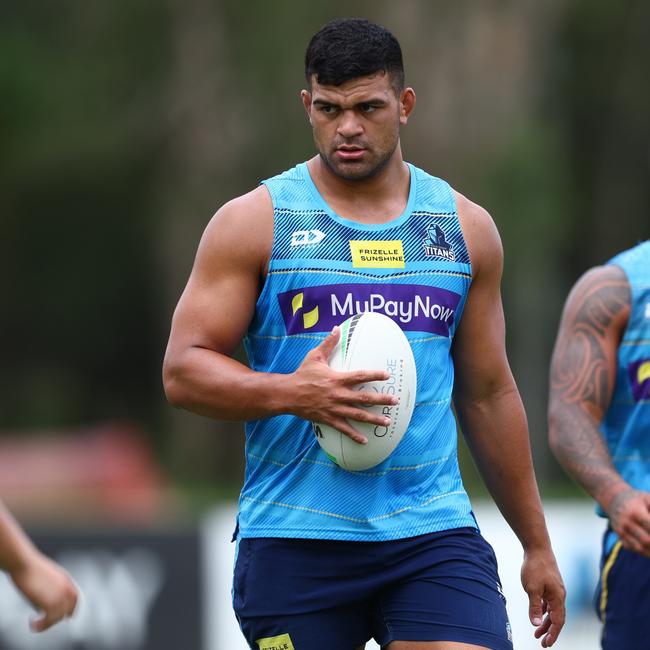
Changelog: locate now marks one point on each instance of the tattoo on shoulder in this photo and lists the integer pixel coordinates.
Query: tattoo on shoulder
(580, 370)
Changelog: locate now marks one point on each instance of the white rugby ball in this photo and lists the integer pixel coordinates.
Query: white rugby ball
(372, 341)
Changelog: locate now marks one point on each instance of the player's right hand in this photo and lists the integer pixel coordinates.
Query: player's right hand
(321, 394)
(629, 515)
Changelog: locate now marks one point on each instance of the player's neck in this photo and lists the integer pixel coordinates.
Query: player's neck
(377, 199)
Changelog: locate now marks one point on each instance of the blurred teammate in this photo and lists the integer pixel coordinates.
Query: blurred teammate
(328, 558)
(599, 427)
(43, 582)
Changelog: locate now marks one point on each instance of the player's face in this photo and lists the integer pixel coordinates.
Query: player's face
(356, 125)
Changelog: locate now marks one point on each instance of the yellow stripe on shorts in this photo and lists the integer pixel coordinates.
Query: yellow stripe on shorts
(603, 579)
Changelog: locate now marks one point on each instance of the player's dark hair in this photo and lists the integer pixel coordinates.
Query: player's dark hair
(348, 48)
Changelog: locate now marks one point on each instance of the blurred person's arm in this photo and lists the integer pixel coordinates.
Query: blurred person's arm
(583, 373)
(43, 582)
(493, 421)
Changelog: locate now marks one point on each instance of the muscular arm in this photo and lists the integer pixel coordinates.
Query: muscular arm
(494, 424)
(213, 313)
(211, 319)
(583, 373)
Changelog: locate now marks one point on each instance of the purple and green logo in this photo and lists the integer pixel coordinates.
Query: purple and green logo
(639, 372)
(413, 307)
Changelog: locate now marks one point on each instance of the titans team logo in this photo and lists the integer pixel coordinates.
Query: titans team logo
(639, 373)
(436, 245)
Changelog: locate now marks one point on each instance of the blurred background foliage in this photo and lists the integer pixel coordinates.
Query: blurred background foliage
(125, 125)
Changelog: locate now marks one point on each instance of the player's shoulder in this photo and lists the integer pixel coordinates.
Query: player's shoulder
(601, 292)
(248, 217)
(247, 212)
(241, 229)
(599, 281)
(480, 232)
(475, 215)
(602, 273)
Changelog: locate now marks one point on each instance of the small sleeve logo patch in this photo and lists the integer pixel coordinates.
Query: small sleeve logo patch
(282, 642)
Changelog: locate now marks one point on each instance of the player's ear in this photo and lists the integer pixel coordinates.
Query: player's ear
(406, 104)
(305, 95)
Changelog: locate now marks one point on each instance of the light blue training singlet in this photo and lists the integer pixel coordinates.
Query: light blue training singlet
(626, 425)
(323, 269)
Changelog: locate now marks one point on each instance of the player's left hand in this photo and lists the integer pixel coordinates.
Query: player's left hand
(542, 582)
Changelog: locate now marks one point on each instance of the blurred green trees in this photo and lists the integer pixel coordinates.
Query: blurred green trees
(124, 126)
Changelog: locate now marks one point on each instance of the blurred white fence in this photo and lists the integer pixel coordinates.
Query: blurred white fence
(169, 589)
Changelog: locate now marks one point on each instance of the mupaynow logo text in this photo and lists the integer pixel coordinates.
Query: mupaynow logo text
(413, 307)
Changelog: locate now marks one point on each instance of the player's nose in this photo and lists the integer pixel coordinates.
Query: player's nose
(349, 125)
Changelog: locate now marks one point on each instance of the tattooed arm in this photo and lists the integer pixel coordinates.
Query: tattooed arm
(583, 371)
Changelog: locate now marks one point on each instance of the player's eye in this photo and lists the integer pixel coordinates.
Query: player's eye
(367, 108)
(328, 109)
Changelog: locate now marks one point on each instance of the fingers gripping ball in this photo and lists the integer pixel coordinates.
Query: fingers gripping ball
(372, 341)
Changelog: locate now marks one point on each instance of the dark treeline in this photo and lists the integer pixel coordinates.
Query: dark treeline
(124, 126)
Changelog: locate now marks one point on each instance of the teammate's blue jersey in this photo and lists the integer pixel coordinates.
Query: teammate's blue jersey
(322, 270)
(626, 425)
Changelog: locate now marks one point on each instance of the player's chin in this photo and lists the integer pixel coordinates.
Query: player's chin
(353, 170)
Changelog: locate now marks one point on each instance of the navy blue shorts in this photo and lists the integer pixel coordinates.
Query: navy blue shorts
(335, 595)
(623, 597)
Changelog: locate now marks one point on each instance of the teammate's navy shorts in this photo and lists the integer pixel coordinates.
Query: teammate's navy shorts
(623, 597)
(292, 594)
